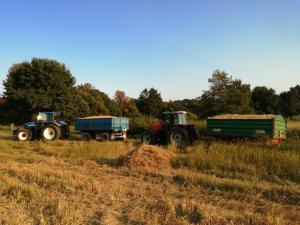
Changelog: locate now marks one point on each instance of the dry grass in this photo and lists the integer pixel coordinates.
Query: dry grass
(293, 129)
(72, 182)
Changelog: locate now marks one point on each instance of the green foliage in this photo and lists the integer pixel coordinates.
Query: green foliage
(190, 105)
(47, 85)
(265, 100)
(225, 96)
(290, 102)
(113, 108)
(126, 104)
(140, 123)
(93, 97)
(150, 102)
(41, 85)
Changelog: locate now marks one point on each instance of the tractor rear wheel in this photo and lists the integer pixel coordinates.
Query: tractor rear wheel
(24, 134)
(179, 136)
(148, 138)
(65, 132)
(50, 132)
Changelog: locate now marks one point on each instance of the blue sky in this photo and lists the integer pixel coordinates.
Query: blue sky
(171, 45)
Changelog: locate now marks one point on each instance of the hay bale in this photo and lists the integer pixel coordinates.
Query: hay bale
(147, 156)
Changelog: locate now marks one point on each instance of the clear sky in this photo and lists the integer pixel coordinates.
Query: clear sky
(171, 45)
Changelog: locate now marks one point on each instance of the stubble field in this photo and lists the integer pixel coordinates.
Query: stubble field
(74, 182)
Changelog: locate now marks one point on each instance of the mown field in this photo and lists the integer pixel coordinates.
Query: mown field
(73, 182)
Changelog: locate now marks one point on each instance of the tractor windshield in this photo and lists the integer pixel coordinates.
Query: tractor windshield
(57, 116)
(180, 119)
(42, 117)
(49, 116)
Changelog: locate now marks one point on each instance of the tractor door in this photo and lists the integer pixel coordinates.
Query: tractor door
(167, 121)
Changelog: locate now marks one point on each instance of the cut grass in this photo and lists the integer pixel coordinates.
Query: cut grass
(251, 159)
(74, 182)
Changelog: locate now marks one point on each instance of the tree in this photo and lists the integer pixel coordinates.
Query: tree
(98, 102)
(123, 100)
(189, 105)
(290, 102)
(127, 105)
(150, 102)
(113, 108)
(2, 110)
(225, 96)
(238, 98)
(265, 100)
(94, 100)
(41, 85)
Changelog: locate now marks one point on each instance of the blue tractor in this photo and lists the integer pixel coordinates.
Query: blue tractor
(47, 126)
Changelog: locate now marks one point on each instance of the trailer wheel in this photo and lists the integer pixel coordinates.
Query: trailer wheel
(105, 136)
(50, 132)
(24, 134)
(148, 138)
(179, 136)
(86, 136)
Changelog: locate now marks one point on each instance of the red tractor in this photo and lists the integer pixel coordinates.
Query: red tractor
(174, 127)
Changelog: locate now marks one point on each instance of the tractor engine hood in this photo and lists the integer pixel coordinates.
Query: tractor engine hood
(29, 124)
(154, 128)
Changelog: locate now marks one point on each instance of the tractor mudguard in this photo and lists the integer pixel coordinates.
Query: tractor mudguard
(54, 123)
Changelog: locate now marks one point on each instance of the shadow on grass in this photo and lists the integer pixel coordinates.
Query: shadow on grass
(110, 162)
(2, 137)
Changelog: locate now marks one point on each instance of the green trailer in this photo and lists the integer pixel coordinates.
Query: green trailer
(247, 126)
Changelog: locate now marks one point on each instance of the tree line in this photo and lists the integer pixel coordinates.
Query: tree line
(48, 85)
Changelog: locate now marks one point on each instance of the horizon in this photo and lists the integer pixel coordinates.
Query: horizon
(172, 46)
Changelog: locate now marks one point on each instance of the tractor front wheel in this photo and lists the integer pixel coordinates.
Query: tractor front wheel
(50, 132)
(179, 136)
(148, 138)
(24, 134)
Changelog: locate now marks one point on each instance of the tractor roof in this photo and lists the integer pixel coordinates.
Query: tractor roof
(175, 112)
(50, 112)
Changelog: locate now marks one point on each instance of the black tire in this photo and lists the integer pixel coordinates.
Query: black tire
(179, 136)
(94, 135)
(148, 138)
(24, 134)
(86, 136)
(105, 136)
(193, 133)
(50, 132)
(65, 132)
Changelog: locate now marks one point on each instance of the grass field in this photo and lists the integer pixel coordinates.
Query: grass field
(73, 182)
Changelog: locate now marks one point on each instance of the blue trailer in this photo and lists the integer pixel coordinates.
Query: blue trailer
(106, 127)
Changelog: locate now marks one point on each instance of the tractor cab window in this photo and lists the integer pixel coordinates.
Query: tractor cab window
(184, 119)
(53, 117)
(180, 119)
(57, 117)
(176, 119)
(48, 117)
(42, 117)
(168, 119)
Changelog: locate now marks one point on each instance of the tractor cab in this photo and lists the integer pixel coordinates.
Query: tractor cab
(48, 117)
(174, 127)
(174, 118)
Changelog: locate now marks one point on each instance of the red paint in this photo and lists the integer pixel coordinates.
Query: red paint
(275, 141)
(154, 128)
